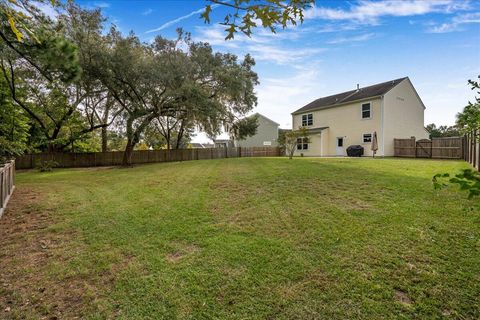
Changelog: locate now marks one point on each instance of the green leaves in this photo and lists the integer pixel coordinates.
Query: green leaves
(206, 14)
(468, 180)
(270, 13)
(245, 127)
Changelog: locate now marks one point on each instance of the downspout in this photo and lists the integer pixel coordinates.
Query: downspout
(381, 124)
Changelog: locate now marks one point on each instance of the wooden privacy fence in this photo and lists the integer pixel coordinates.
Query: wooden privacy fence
(7, 184)
(437, 148)
(472, 150)
(114, 158)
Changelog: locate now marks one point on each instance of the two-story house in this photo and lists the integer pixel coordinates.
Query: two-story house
(392, 109)
(266, 135)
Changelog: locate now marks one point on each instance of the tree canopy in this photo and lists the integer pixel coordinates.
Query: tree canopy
(71, 84)
(442, 131)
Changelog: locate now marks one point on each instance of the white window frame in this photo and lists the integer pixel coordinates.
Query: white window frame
(367, 134)
(361, 110)
(304, 143)
(306, 121)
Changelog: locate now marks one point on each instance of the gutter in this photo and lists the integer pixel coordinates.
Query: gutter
(382, 104)
(335, 105)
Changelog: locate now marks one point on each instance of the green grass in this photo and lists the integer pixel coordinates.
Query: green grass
(266, 238)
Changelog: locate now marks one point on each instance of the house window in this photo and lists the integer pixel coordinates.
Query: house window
(367, 137)
(366, 111)
(302, 144)
(307, 120)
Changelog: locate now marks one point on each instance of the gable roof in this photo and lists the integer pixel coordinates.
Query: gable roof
(261, 115)
(196, 145)
(350, 96)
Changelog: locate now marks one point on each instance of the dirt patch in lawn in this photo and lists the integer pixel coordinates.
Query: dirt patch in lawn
(402, 297)
(28, 248)
(181, 252)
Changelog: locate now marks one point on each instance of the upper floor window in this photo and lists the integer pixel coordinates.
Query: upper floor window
(366, 110)
(307, 120)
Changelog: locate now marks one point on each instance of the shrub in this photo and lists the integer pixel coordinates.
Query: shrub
(468, 180)
(46, 166)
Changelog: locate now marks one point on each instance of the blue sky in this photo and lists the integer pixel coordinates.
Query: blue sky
(341, 43)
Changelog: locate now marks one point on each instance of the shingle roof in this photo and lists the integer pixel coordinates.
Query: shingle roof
(349, 96)
(261, 115)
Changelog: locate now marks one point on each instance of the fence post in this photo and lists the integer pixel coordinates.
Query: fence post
(470, 149)
(475, 149)
(1, 188)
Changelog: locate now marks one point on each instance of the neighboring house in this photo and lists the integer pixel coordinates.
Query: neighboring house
(223, 143)
(393, 109)
(195, 145)
(266, 135)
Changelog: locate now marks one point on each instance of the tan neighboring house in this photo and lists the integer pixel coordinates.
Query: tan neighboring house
(393, 109)
(266, 135)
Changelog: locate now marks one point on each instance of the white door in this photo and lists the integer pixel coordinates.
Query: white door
(340, 146)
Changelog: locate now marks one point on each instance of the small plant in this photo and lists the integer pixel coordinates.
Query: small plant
(46, 166)
(468, 180)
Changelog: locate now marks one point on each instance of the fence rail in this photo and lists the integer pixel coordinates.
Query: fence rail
(7, 184)
(437, 148)
(114, 158)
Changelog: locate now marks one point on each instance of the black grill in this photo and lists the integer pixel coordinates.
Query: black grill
(355, 151)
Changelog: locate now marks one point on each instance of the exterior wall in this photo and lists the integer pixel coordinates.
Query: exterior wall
(403, 115)
(266, 131)
(343, 121)
(314, 146)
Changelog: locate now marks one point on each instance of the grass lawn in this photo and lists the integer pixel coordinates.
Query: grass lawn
(248, 238)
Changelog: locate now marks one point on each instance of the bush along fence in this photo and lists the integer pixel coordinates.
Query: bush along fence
(7, 183)
(436, 148)
(114, 158)
(472, 149)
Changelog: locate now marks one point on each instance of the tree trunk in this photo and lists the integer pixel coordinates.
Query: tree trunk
(291, 151)
(104, 139)
(179, 137)
(104, 129)
(168, 139)
(127, 154)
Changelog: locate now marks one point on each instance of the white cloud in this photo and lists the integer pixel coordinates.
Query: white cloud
(369, 12)
(101, 4)
(456, 23)
(262, 46)
(277, 98)
(177, 20)
(48, 10)
(359, 38)
(281, 55)
(147, 12)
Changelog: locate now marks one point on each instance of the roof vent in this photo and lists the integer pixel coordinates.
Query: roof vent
(358, 86)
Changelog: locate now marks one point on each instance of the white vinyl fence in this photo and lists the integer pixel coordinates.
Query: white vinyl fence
(7, 184)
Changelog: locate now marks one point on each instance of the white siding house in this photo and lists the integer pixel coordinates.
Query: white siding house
(392, 109)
